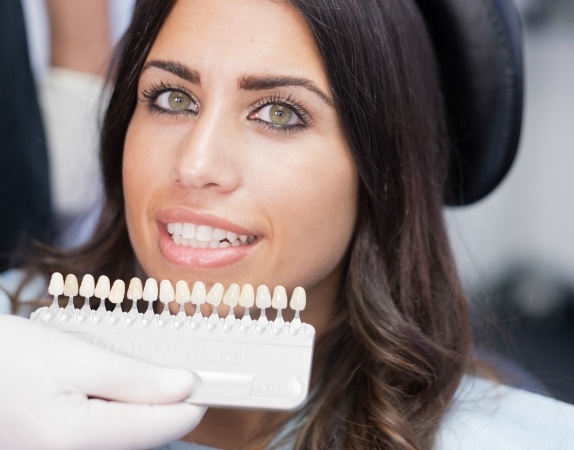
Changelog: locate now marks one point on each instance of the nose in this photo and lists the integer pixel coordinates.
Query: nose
(207, 156)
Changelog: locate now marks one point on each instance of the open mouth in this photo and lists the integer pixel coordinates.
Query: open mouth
(203, 236)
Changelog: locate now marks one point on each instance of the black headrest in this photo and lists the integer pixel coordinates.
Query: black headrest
(479, 47)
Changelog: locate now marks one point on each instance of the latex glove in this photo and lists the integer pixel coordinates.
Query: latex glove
(53, 386)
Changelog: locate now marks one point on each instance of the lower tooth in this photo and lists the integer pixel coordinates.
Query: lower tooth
(194, 243)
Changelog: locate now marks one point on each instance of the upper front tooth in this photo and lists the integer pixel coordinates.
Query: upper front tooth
(203, 233)
(219, 234)
(188, 231)
(177, 227)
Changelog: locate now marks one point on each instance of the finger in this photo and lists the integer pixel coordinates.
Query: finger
(115, 377)
(139, 426)
(77, 366)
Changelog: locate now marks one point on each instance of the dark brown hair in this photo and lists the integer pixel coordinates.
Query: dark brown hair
(402, 340)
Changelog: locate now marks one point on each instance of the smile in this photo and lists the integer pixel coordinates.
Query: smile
(203, 236)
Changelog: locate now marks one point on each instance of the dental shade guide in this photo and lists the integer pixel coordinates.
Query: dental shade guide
(237, 362)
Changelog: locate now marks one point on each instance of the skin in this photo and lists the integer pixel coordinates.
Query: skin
(80, 35)
(295, 189)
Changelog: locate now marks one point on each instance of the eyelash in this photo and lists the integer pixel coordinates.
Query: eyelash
(156, 90)
(152, 94)
(296, 107)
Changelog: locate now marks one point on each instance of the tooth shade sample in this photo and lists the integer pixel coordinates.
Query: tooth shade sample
(298, 299)
(166, 293)
(279, 300)
(56, 286)
(102, 287)
(231, 297)
(215, 295)
(150, 290)
(247, 297)
(71, 285)
(135, 289)
(117, 292)
(198, 293)
(88, 286)
(263, 297)
(182, 294)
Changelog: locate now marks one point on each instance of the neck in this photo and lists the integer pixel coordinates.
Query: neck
(233, 429)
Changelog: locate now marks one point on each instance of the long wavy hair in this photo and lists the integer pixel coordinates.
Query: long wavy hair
(401, 342)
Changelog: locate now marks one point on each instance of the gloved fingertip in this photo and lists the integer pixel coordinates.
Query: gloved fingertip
(175, 384)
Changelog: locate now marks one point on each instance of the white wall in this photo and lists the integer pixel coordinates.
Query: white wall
(529, 218)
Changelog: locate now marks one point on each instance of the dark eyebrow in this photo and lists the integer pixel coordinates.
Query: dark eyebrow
(250, 83)
(176, 68)
(258, 84)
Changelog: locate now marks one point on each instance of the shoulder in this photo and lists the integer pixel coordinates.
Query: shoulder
(489, 415)
(11, 284)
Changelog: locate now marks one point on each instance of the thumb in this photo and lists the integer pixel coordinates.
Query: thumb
(102, 374)
(139, 426)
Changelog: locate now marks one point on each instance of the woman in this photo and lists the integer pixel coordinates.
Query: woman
(315, 131)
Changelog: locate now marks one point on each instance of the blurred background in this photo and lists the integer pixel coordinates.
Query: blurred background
(515, 249)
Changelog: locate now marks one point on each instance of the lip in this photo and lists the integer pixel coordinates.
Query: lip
(199, 258)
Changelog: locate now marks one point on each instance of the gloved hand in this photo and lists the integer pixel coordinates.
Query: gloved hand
(58, 392)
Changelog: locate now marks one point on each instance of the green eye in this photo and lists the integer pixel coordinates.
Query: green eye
(280, 115)
(178, 101)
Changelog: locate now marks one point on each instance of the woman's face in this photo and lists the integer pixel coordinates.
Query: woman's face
(235, 142)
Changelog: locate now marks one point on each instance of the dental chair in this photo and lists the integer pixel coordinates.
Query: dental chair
(479, 47)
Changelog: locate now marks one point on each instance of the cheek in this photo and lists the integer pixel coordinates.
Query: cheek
(133, 169)
(314, 214)
(140, 169)
(145, 160)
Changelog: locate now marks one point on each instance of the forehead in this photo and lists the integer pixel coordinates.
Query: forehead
(239, 36)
